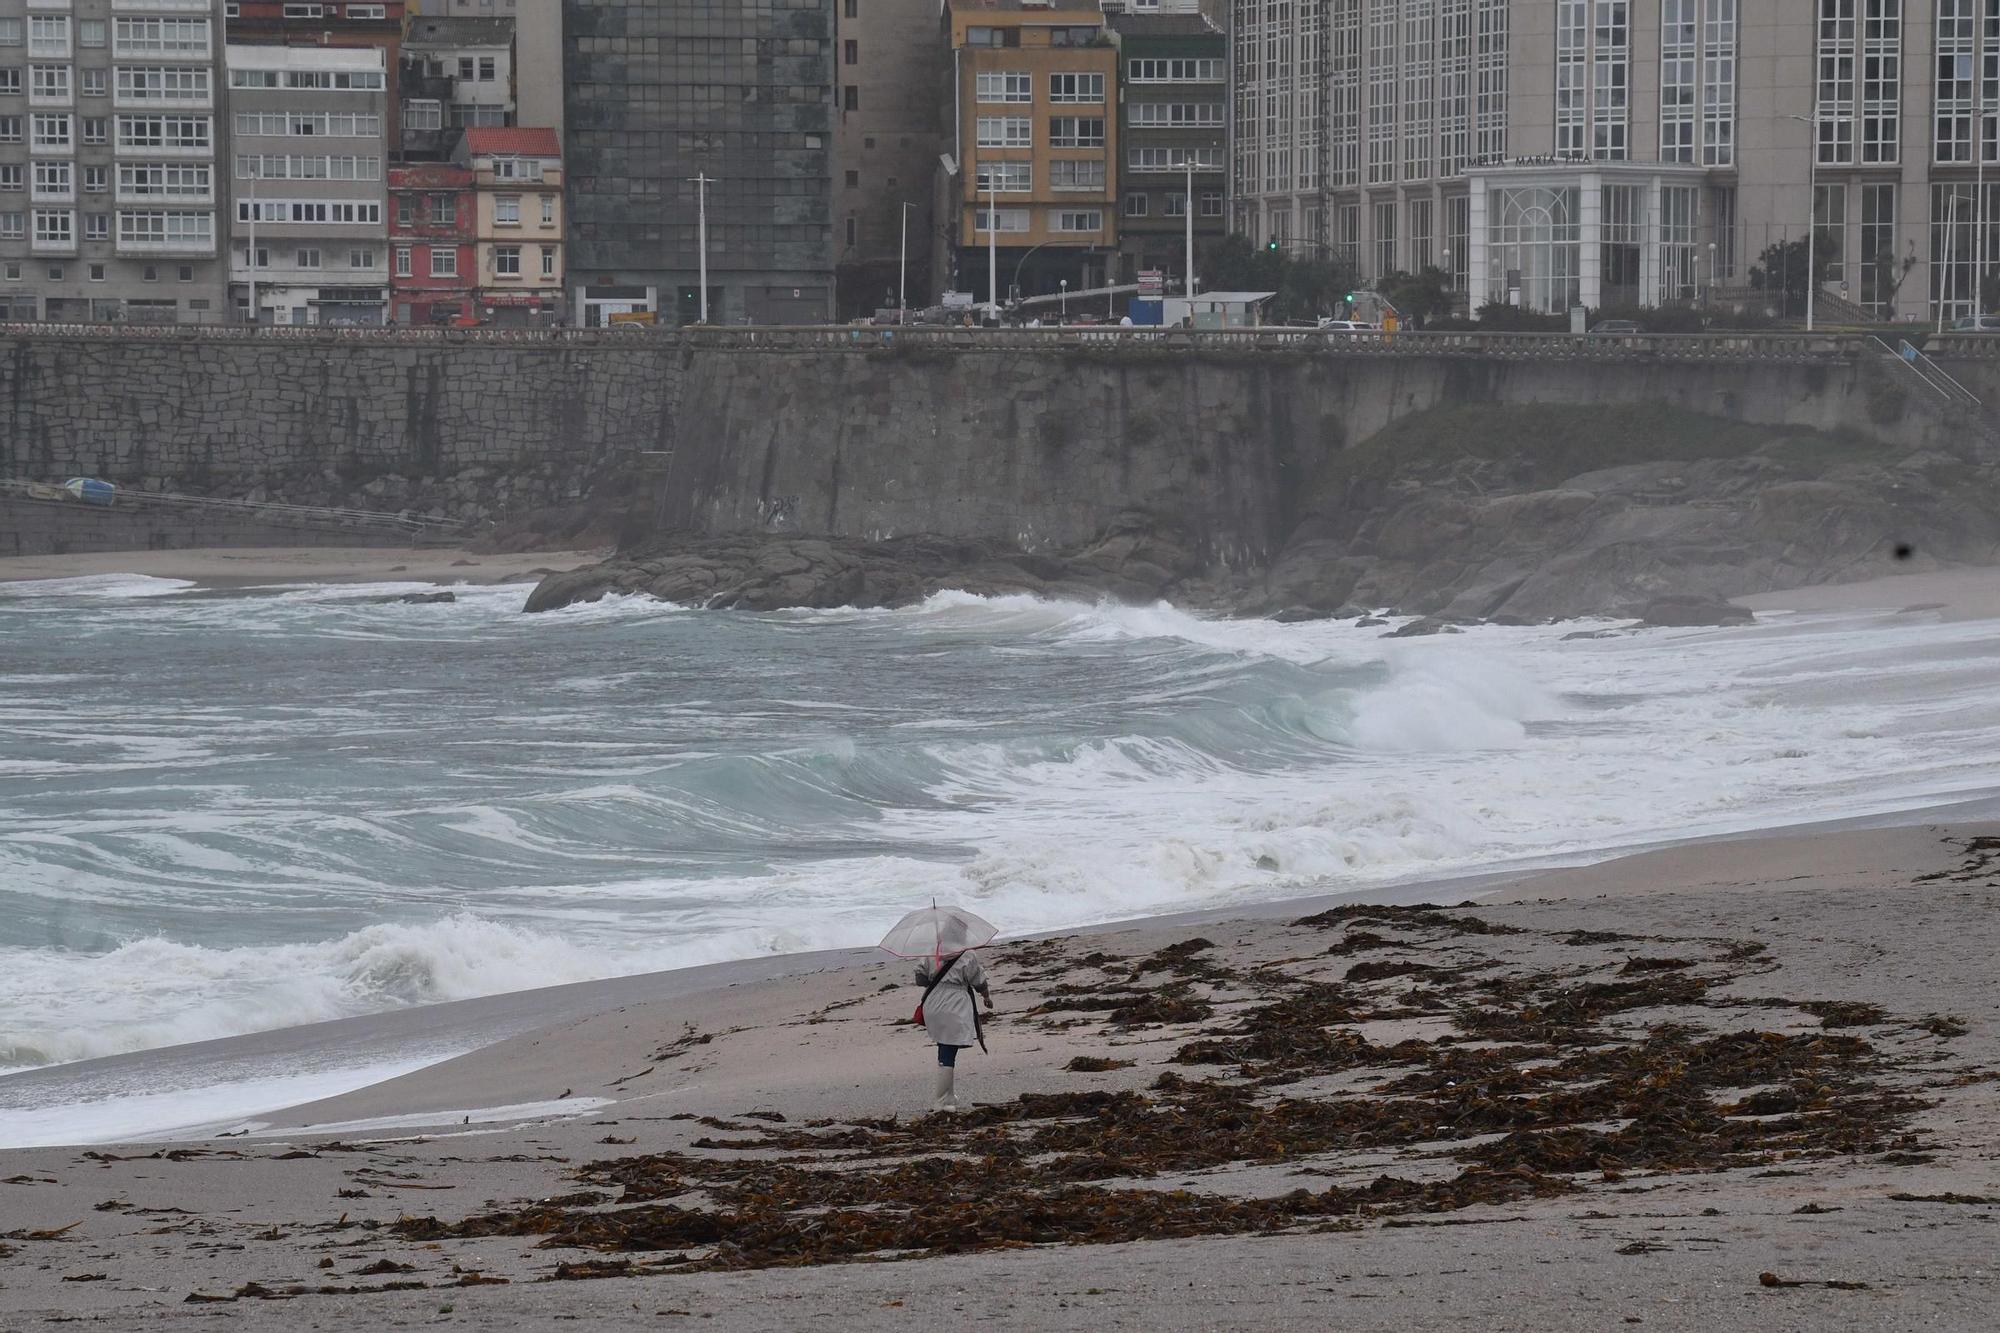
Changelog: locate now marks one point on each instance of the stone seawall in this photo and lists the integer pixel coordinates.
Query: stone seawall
(460, 431)
(1018, 440)
(46, 527)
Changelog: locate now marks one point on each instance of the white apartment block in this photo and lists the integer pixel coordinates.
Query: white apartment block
(1612, 152)
(309, 154)
(109, 161)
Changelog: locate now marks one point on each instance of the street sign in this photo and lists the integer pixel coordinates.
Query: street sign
(1152, 284)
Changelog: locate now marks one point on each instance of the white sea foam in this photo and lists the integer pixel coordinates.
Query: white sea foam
(718, 787)
(96, 585)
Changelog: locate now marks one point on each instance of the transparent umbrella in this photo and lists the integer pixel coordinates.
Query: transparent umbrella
(932, 932)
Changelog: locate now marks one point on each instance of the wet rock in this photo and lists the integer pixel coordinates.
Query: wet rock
(1684, 611)
(1424, 628)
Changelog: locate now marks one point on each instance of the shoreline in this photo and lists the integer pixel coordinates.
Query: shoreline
(448, 1031)
(230, 567)
(491, 1214)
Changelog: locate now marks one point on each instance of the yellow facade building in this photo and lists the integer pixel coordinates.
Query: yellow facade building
(518, 183)
(1037, 135)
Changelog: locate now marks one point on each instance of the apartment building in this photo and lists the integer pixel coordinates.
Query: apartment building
(309, 239)
(109, 176)
(1173, 101)
(1037, 145)
(517, 182)
(342, 24)
(1612, 152)
(538, 53)
(890, 127)
(457, 72)
(433, 261)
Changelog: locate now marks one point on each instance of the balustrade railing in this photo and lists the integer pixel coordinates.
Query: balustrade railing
(878, 338)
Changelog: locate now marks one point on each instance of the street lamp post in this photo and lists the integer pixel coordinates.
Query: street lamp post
(702, 181)
(1812, 210)
(257, 164)
(1708, 296)
(903, 268)
(1944, 282)
(992, 244)
(1063, 285)
(1188, 161)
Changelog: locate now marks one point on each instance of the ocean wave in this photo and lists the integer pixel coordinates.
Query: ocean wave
(110, 586)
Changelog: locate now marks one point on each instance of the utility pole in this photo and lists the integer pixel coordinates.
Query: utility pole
(254, 170)
(903, 269)
(993, 242)
(1190, 226)
(702, 181)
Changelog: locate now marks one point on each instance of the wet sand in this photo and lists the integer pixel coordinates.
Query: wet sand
(1863, 957)
(303, 564)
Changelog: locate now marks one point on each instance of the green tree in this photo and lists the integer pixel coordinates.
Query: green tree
(1306, 287)
(1782, 269)
(1419, 297)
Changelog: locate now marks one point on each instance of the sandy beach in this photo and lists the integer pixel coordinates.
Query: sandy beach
(1599, 1096)
(304, 564)
(1738, 1083)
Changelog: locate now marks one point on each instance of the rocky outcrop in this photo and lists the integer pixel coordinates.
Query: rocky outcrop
(1509, 515)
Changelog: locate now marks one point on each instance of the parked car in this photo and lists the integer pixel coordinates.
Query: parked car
(1977, 324)
(1616, 326)
(1348, 326)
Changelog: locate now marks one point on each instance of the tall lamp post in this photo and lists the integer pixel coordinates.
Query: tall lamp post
(256, 168)
(1812, 210)
(992, 245)
(903, 269)
(1189, 163)
(702, 182)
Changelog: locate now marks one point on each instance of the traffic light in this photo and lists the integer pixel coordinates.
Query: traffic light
(1271, 246)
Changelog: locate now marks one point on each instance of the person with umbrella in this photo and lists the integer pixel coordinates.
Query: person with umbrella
(942, 939)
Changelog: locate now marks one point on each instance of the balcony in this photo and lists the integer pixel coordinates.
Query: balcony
(129, 101)
(160, 199)
(176, 246)
(44, 98)
(49, 245)
(46, 195)
(150, 6)
(62, 5)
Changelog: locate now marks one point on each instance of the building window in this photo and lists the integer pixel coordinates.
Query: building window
(1173, 115)
(426, 114)
(10, 129)
(1680, 220)
(1003, 220)
(91, 32)
(13, 226)
(55, 272)
(444, 210)
(851, 232)
(96, 226)
(1422, 236)
(1879, 266)
(185, 273)
(1068, 175)
(1385, 237)
(548, 210)
(853, 180)
(1004, 132)
(306, 258)
(992, 37)
(55, 181)
(11, 32)
(1679, 57)
(1174, 71)
(361, 259)
(1005, 177)
(1174, 205)
(548, 261)
(10, 82)
(96, 272)
(404, 267)
(1958, 95)
(850, 98)
(48, 35)
(51, 131)
(96, 180)
(444, 261)
(96, 130)
(1076, 87)
(851, 51)
(1419, 90)
(1173, 159)
(489, 69)
(1135, 205)
(1611, 73)
(1383, 63)
(850, 9)
(1458, 238)
(55, 226)
(1076, 131)
(1572, 76)
(13, 176)
(1211, 203)
(1004, 86)
(1080, 220)
(49, 83)
(1718, 85)
(507, 261)
(92, 82)
(507, 210)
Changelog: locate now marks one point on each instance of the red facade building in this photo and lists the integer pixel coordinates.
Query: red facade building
(433, 262)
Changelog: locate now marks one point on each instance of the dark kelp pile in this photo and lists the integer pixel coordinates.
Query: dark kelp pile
(1530, 1083)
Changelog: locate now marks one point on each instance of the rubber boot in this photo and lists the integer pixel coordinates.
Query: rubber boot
(942, 1098)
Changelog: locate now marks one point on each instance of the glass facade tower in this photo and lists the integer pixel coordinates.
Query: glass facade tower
(658, 92)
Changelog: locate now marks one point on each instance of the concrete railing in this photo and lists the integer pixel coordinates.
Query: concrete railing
(872, 338)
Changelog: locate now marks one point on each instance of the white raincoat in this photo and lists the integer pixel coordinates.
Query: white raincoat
(948, 1016)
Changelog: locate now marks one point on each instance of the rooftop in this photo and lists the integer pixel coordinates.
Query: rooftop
(251, 56)
(1164, 25)
(457, 33)
(1089, 7)
(504, 141)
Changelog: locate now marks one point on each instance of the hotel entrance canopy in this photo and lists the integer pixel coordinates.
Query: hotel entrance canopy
(1552, 232)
